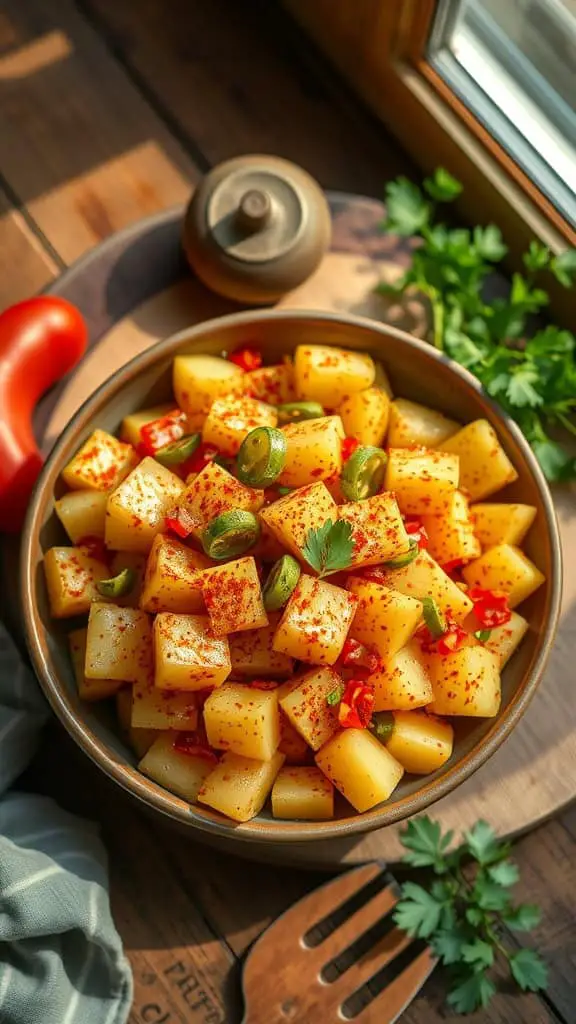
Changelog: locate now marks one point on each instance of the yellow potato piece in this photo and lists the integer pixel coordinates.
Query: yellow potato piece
(119, 643)
(291, 518)
(404, 682)
(378, 529)
(303, 701)
(162, 709)
(414, 424)
(327, 375)
(213, 491)
(292, 744)
(451, 536)
(253, 656)
(365, 416)
(506, 568)
(233, 597)
(271, 384)
(82, 514)
(137, 509)
(132, 424)
(484, 465)
(139, 739)
(101, 463)
(172, 580)
(302, 793)
(199, 379)
(383, 618)
(243, 719)
(239, 786)
(363, 770)
(71, 578)
(315, 622)
(187, 654)
(422, 481)
(230, 419)
(504, 640)
(466, 682)
(420, 742)
(182, 774)
(502, 523)
(88, 689)
(314, 451)
(424, 578)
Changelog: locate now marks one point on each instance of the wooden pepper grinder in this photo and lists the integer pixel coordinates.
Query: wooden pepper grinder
(256, 227)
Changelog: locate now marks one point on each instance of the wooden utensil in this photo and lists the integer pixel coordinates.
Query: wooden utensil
(336, 955)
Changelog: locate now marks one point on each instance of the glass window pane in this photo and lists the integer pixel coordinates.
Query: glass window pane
(513, 62)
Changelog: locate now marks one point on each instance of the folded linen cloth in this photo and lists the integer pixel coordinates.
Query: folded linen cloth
(61, 958)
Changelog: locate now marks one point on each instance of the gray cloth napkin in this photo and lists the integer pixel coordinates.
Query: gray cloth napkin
(61, 958)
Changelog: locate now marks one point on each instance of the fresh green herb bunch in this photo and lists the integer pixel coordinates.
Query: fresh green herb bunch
(463, 917)
(532, 375)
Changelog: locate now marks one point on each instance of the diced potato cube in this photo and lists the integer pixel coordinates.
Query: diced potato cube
(132, 424)
(414, 424)
(137, 563)
(327, 375)
(424, 578)
(71, 578)
(231, 418)
(303, 701)
(504, 640)
(139, 739)
(314, 451)
(162, 709)
(502, 523)
(119, 643)
(383, 618)
(365, 416)
(302, 793)
(199, 379)
(82, 514)
(404, 682)
(423, 481)
(484, 465)
(101, 464)
(138, 507)
(290, 518)
(182, 774)
(378, 529)
(214, 490)
(466, 682)
(88, 689)
(381, 379)
(233, 597)
(271, 384)
(243, 719)
(292, 744)
(315, 622)
(172, 580)
(253, 656)
(420, 742)
(451, 536)
(506, 568)
(239, 786)
(187, 654)
(360, 767)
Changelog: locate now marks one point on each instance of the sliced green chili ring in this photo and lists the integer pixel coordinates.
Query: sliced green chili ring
(176, 452)
(403, 560)
(483, 635)
(282, 580)
(117, 586)
(363, 473)
(335, 696)
(433, 617)
(229, 534)
(382, 725)
(261, 458)
(293, 412)
(282, 491)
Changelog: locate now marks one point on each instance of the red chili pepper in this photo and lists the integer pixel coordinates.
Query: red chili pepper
(356, 705)
(160, 432)
(349, 446)
(416, 530)
(246, 358)
(490, 607)
(41, 339)
(204, 454)
(190, 743)
(357, 655)
(451, 640)
(180, 522)
(375, 575)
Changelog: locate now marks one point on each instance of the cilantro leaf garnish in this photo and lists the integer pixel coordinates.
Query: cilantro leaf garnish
(532, 374)
(463, 916)
(329, 548)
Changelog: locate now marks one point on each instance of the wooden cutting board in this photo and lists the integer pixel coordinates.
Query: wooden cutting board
(135, 289)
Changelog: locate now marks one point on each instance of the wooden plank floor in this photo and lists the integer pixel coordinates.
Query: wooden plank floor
(110, 110)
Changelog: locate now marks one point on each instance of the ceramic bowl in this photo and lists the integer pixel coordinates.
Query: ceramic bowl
(417, 372)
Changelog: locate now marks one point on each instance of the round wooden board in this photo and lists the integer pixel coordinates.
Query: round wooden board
(134, 290)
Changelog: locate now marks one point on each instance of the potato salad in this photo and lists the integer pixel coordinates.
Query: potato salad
(292, 584)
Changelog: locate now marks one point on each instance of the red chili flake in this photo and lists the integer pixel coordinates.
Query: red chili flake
(454, 564)
(356, 705)
(191, 744)
(349, 446)
(453, 639)
(204, 454)
(160, 432)
(357, 655)
(490, 607)
(246, 358)
(180, 522)
(416, 530)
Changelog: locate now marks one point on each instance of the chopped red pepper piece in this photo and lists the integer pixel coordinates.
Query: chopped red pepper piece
(180, 522)
(246, 358)
(356, 705)
(160, 432)
(453, 639)
(204, 454)
(349, 446)
(490, 607)
(190, 743)
(357, 655)
(416, 530)
(375, 575)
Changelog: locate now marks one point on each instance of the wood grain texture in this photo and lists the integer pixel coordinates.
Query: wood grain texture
(80, 146)
(235, 82)
(26, 265)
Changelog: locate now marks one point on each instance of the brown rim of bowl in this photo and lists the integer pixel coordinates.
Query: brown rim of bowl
(269, 831)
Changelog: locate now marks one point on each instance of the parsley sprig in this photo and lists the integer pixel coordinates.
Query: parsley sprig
(532, 374)
(463, 918)
(329, 548)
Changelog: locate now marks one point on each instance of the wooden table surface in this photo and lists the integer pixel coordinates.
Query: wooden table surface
(111, 110)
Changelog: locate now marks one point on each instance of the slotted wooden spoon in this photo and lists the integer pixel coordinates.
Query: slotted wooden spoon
(336, 955)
